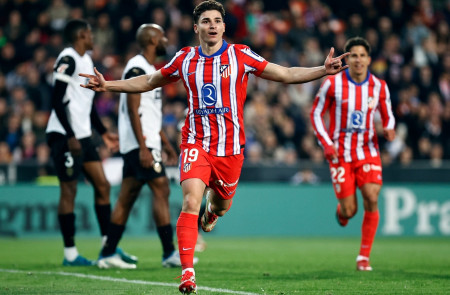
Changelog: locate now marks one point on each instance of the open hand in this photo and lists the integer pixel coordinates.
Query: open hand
(96, 83)
(333, 65)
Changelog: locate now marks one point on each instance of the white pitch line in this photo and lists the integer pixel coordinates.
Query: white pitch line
(119, 280)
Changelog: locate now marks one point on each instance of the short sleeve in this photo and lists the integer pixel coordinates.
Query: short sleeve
(134, 72)
(172, 69)
(64, 69)
(253, 62)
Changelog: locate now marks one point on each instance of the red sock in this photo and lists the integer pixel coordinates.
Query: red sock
(187, 232)
(369, 229)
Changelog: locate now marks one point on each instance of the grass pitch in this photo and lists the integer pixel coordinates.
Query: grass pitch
(235, 266)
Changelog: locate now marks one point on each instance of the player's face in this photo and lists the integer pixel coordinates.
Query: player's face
(210, 27)
(89, 38)
(358, 60)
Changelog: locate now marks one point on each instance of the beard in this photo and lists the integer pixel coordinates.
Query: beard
(161, 50)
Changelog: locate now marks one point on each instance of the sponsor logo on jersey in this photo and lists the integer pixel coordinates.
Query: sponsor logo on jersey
(186, 167)
(215, 111)
(225, 71)
(357, 119)
(209, 94)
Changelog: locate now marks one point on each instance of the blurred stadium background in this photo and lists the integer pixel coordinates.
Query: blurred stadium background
(285, 180)
(410, 41)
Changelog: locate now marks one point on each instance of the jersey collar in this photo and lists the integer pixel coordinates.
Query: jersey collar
(217, 53)
(347, 72)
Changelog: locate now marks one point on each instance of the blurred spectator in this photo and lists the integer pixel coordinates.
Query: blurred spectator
(104, 34)
(27, 146)
(304, 176)
(58, 13)
(15, 29)
(5, 153)
(13, 133)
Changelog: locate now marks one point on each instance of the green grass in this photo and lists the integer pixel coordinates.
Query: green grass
(254, 265)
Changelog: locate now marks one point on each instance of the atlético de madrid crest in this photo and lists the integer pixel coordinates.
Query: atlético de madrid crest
(225, 71)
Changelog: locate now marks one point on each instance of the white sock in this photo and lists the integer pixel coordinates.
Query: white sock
(360, 257)
(70, 253)
(188, 269)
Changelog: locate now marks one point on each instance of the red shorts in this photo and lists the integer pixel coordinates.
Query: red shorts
(219, 173)
(346, 176)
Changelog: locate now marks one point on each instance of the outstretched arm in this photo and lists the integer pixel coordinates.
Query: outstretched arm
(137, 84)
(296, 75)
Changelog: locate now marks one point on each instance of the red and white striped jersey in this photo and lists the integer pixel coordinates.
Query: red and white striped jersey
(216, 89)
(351, 108)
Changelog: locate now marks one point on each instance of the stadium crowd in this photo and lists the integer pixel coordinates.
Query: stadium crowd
(410, 42)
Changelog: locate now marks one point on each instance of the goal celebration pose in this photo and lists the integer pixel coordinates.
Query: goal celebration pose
(215, 77)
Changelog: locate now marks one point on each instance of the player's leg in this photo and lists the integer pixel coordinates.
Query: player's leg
(187, 231)
(68, 169)
(111, 256)
(95, 174)
(215, 207)
(370, 222)
(344, 184)
(66, 218)
(195, 173)
(369, 180)
(346, 209)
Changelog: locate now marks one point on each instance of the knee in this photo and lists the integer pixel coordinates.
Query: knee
(162, 193)
(191, 204)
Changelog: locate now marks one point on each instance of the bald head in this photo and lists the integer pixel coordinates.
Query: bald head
(149, 34)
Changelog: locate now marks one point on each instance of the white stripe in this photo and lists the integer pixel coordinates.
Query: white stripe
(391, 123)
(252, 54)
(118, 280)
(376, 97)
(317, 114)
(185, 69)
(365, 110)
(338, 111)
(173, 59)
(220, 117)
(200, 81)
(62, 77)
(233, 99)
(348, 135)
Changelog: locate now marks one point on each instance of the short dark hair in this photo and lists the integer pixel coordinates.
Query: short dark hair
(72, 28)
(208, 5)
(357, 41)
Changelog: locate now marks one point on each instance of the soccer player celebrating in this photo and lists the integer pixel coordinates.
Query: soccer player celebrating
(350, 143)
(215, 77)
(140, 136)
